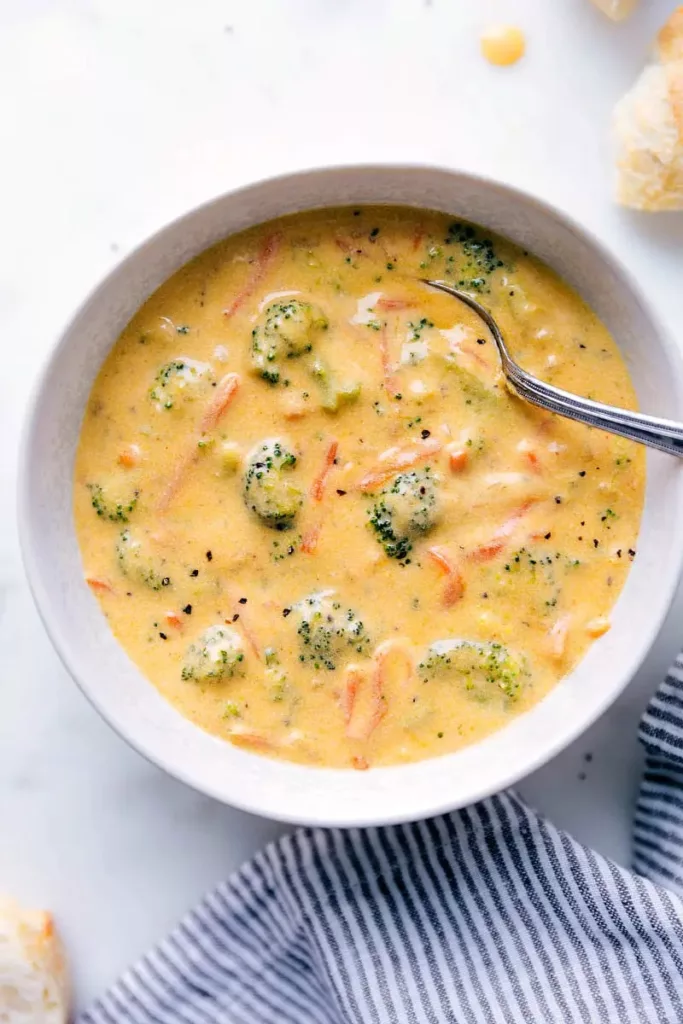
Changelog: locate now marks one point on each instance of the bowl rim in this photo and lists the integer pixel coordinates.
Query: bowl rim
(44, 600)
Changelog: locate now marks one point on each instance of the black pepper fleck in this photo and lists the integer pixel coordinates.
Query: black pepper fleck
(163, 636)
(235, 616)
(286, 611)
(582, 472)
(209, 556)
(547, 536)
(424, 434)
(195, 572)
(481, 341)
(188, 609)
(341, 493)
(558, 500)
(596, 542)
(243, 600)
(165, 582)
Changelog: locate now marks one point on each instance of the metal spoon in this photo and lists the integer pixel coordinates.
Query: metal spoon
(666, 435)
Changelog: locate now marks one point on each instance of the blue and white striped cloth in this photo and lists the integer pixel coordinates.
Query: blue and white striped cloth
(486, 915)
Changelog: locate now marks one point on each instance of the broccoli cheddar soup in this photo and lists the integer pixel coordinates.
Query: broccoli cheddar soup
(314, 516)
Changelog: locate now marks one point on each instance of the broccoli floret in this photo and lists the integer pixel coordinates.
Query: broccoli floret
(483, 668)
(404, 510)
(286, 330)
(137, 562)
(335, 392)
(479, 257)
(328, 632)
(112, 506)
(275, 676)
(470, 385)
(177, 380)
(267, 490)
(217, 654)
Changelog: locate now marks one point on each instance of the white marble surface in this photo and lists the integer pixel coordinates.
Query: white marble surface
(115, 117)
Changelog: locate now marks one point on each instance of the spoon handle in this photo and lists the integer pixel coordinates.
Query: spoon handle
(666, 435)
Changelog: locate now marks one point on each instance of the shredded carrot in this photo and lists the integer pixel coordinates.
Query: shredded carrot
(386, 305)
(454, 590)
(318, 486)
(417, 238)
(532, 459)
(403, 459)
(557, 636)
(174, 620)
(361, 764)
(251, 740)
(361, 724)
(225, 392)
(387, 367)
(379, 708)
(99, 585)
(473, 354)
(129, 456)
(488, 551)
(347, 245)
(437, 555)
(354, 678)
(174, 484)
(455, 585)
(457, 459)
(309, 541)
(394, 649)
(266, 255)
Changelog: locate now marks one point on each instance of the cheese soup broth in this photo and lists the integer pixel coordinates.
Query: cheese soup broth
(313, 514)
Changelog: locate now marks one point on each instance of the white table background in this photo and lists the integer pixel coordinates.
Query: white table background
(115, 117)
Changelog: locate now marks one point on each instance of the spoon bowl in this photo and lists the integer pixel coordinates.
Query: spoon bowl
(666, 435)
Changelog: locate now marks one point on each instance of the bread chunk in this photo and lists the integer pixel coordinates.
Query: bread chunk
(33, 978)
(648, 124)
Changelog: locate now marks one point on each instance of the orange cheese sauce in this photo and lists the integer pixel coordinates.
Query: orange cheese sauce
(311, 511)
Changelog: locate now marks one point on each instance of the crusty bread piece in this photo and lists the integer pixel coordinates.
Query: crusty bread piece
(33, 979)
(616, 9)
(648, 124)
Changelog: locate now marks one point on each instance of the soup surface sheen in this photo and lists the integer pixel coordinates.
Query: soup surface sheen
(313, 514)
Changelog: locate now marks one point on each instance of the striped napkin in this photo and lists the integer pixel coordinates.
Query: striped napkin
(490, 914)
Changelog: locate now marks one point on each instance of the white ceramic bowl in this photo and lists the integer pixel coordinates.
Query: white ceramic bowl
(292, 792)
